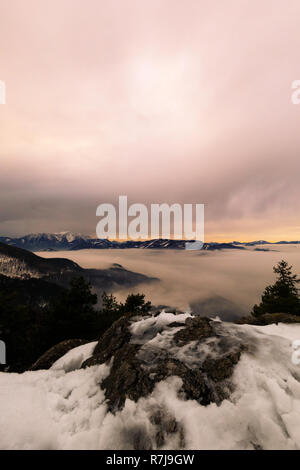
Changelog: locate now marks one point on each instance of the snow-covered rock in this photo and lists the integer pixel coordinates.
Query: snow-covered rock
(66, 407)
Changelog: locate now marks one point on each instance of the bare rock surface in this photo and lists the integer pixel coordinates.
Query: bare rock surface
(56, 352)
(143, 351)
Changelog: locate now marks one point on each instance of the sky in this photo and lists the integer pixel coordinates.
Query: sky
(164, 101)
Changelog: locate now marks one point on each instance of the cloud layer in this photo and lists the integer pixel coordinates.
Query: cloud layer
(162, 101)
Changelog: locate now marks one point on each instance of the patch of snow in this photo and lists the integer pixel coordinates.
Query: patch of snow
(285, 330)
(139, 328)
(52, 409)
(74, 358)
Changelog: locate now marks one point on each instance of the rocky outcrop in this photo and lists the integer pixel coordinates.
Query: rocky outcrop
(56, 352)
(110, 343)
(137, 363)
(196, 329)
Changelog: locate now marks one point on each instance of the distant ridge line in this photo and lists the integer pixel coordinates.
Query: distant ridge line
(68, 241)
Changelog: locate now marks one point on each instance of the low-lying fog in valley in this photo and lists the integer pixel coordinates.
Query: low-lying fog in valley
(226, 283)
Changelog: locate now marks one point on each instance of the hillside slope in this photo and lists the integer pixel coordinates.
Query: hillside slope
(17, 262)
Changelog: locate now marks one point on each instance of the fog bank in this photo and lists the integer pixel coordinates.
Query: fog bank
(225, 283)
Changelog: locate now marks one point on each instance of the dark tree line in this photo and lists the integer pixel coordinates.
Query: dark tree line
(31, 322)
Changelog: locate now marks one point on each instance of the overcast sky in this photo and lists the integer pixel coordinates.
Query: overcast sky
(162, 101)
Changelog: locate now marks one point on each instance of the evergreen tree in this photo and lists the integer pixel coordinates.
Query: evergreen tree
(281, 297)
(135, 304)
(72, 314)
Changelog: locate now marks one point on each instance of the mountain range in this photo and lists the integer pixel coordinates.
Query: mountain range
(69, 241)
